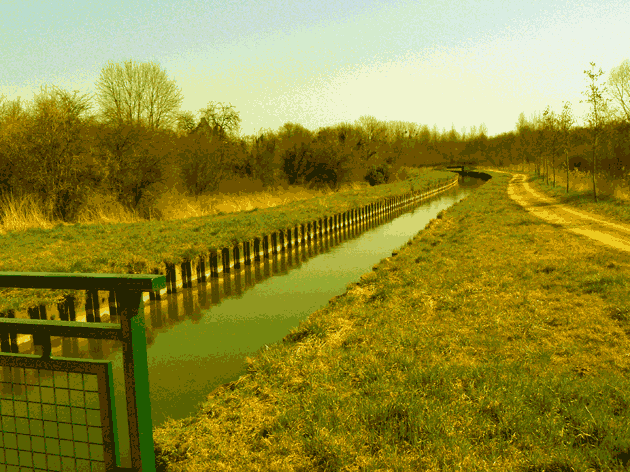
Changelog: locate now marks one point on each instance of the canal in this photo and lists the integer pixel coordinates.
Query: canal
(198, 337)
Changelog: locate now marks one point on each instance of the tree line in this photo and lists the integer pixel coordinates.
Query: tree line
(138, 144)
(553, 143)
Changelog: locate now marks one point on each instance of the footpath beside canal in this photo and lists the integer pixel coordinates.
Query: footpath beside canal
(491, 341)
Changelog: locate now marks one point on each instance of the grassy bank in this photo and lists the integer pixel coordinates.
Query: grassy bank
(492, 341)
(613, 195)
(144, 246)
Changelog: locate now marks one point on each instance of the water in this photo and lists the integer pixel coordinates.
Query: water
(198, 340)
(190, 358)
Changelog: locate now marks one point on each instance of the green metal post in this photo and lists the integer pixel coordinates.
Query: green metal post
(136, 368)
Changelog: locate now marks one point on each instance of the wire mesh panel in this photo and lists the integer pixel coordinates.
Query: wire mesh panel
(56, 415)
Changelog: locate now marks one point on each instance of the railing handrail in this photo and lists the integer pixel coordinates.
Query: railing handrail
(131, 331)
(66, 329)
(82, 281)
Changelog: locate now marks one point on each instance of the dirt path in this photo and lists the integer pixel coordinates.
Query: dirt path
(615, 235)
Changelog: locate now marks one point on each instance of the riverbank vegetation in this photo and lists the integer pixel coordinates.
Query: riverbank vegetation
(90, 191)
(123, 159)
(146, 246)
(492, 341)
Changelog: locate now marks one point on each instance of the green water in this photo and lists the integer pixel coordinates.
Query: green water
(199, 337)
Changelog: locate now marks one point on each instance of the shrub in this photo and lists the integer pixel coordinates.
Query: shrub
(378, 175)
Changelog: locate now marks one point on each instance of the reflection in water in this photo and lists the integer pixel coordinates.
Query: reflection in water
(199, 336)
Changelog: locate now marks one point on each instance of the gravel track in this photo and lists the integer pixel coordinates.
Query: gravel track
(594, 227)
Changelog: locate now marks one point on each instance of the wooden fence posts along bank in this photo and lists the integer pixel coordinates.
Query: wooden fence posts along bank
(225, 263)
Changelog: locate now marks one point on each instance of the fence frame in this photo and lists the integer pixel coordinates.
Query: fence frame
(131, 332)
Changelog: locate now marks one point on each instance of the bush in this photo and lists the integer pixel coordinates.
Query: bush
(378, 175)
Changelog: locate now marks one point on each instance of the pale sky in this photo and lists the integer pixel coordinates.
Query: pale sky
(321, 62)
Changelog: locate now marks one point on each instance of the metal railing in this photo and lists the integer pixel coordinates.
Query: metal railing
(59, 413)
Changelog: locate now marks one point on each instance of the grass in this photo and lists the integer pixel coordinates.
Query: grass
(613, 196)
(491, 341)
(27, 212)
(109, 239)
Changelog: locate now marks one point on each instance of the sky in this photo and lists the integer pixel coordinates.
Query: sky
(320, 62)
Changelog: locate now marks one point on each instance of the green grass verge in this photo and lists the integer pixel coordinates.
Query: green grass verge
(492, 341)
(132, 248)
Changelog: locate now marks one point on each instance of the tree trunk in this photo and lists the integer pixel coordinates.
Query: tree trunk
(594, 170)
(567, 154)
(547, 170)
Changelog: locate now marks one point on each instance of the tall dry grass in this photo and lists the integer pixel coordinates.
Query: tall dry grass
(21, 212)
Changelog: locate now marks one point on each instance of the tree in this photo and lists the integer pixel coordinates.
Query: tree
(395, 130)
(373, 132)
(538, 140)
(619, 81)
(138, 94)
(372, 128)
(14, 125)
(597, 114)
(424, 134)
(185, 122)
(476, 145)
(453, 135)
(203, 162)
(136, 160)
(295, 150)
(550, 126)
(264, 162)
(524, 131)
(482, 142)
(52, 165)
(223, 120)
(565, 123)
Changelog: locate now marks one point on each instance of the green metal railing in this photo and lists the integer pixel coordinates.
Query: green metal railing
(59, 413)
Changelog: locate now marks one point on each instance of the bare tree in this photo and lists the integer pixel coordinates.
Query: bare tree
(222, 119)
(550, 128)
(619, 82)
(185, 122)
(597, 114)
(264, 162)
(373, 132)
(138, 94)
(373, 128)
(538, 141)
(295, 149)
(424, 134)
(565, 123)
(14, 125)
(395, 130)
(55, 143)
(524, 131)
